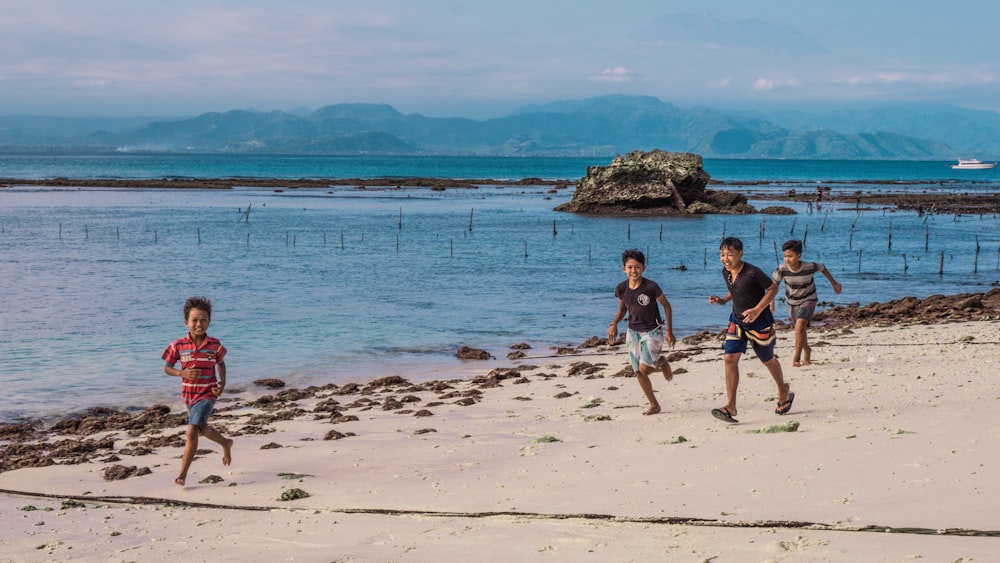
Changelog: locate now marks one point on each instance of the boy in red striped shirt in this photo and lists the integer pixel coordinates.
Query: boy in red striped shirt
(201, 357)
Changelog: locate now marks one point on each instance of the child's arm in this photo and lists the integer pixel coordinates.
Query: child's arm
(613, 327)
(189, 373)
(716, 300)
(668, 320)
(220, 369)
(750, 315)
(833, 282)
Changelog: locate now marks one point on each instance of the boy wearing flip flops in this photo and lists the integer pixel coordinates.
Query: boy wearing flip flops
(751, 292)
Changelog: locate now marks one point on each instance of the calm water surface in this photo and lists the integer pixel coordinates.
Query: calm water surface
(347, 284)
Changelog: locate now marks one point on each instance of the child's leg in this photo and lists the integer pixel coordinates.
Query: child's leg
(779, 379)
(732, 367)
(802, 350)
(647, 388)
(190, 448)
(226, 443)
(664, 366)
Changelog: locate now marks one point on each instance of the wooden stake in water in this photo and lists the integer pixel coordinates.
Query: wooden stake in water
(60, 230)
(118, 233)
(905, 266)
(470, 219)
(859, 260)
(248, 240)
(705, 258)
(401, 218)
(525, 249)
(792, 231)
(451, 244)
(156, 237)
(661, 231)
(927, 236)
(777, 259)
(86, 232)
(723, 230)
(941, 266)
(554, 233)
(975, 264)
(199, 236)
(397, 244)
(805, 234)
(628, 235)
(822, 226)
(341, 239)
(890, 235)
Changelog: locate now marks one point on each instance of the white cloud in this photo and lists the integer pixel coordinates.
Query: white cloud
(765, 84)
(615, 75)
(721, 84)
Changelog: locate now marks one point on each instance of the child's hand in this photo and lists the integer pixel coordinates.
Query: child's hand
(219, 386)
(714, 300)
(190, 373)
(669, 338)
(836, 288)
(612, 335)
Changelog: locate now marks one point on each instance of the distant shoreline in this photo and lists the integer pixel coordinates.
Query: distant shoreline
(949, 203)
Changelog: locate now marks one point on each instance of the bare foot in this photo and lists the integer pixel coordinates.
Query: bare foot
(796, 363)
(653, 409)
(227, 452)
(806, 352)
(179, 481)
(664, 366)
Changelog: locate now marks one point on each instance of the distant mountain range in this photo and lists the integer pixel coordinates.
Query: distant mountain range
(599, 126)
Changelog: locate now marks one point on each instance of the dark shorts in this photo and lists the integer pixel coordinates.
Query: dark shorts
(804, 310)
(199, 412)
(759, 334)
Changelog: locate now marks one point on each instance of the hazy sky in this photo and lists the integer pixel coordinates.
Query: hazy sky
(480, 58)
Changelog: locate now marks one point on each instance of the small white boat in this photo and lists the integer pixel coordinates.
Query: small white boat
(972, 164)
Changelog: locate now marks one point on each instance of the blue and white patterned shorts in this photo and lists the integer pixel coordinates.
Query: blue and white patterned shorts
(644, 348)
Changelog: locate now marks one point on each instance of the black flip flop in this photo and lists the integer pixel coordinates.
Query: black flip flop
(723, 415)
(786, 407)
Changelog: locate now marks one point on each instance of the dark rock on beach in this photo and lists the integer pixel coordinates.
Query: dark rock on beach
(910, 310)
(651, 183)
(467, 353)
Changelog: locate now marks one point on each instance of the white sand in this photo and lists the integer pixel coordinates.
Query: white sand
(896, 429)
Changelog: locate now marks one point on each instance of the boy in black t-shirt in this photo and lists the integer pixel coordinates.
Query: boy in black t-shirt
(751, 291)
(647, 331)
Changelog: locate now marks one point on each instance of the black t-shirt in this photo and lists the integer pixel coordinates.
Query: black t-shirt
(643, 312)
(749, 288)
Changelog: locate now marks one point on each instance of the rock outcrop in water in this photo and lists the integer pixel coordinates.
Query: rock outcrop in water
(651, 183)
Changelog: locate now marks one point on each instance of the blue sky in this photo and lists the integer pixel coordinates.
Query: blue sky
(480, 59)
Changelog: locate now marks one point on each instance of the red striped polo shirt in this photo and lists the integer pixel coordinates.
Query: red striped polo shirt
(205, 358)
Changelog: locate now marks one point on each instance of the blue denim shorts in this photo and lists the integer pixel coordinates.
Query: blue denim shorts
(199, 412)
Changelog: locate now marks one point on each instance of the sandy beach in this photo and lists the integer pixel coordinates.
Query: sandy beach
(890, 453)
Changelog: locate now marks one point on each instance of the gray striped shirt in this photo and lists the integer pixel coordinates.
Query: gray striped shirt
(799, 286)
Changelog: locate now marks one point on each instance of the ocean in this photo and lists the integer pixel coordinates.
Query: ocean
(342, 284)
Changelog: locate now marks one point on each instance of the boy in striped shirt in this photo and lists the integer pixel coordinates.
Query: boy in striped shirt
(201, 357)
(800, 294)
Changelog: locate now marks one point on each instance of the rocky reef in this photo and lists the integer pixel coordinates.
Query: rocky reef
(652, 183)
